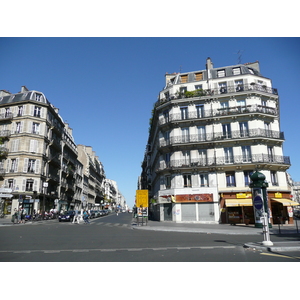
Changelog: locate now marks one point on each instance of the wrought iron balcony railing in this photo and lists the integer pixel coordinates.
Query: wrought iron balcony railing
(211, 113)
(6, 116)
(217, 136)
(224, 160)
(240, 88)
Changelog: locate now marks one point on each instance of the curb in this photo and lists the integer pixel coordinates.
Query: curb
(275, 248)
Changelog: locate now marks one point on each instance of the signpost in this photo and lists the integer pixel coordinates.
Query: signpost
(142, 204)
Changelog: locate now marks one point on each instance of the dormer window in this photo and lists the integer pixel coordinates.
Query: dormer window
(184, 78)
(236, 71)
(198, 76)
(221, 73)
(38, 97)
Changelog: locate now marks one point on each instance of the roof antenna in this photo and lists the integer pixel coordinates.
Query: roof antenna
(180, 69)
(239, 53)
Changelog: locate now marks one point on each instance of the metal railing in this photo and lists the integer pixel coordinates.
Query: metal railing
(218, 136)
(240, 88)
(224, 160)
(210, 113)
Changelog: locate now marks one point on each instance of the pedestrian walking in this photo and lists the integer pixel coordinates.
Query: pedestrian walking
(19, 214)
(76, 217)
(86, 217)
(23, 214)
(14, 217)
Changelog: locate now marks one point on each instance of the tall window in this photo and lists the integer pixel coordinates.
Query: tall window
(18, 127)
(29, 185)
(239, 85)
(167, 159)
(202, 157)
(200, 111)
(226, 131)
(37, 111)
(224, 104)
(247, 179)
(186, 158)
(31, 166)
(230, 179)
(270, 153)
(228, 152)
(203, 179)
(246, 152)
(166, 116)
(201, 133)
(14, 165)
(168, 181)
(244, 130)
(184, 113)
(185, 134)
(20, 111)
(187, 180)
(223, 87)
(268, 131)
(274, 179)
(11, 183)
(35, 128)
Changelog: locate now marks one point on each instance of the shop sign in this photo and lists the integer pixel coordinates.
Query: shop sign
(278, 195)
(194, 198)
(243, 195)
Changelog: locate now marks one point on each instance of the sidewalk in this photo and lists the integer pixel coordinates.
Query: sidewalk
(226, 229)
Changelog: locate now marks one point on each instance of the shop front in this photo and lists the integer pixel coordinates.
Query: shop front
(282, 208)
(238, 208)
(239, 211)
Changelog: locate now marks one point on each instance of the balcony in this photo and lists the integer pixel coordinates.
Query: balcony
(5, 133)
(241, 88)
(219, 136)
(221, 112)
(225, 160)
(6, 116)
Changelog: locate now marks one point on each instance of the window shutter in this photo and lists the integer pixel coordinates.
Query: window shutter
(37, 166)
(25, 165)
(35, 183)
(24, 185)
(17, 165)
(7, 166)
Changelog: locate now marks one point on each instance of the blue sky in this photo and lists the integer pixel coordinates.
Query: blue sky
(105, 88)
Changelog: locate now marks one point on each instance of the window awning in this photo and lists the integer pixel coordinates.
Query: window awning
(285, 201)
(238, 202)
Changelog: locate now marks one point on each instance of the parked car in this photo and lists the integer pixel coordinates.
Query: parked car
(97, 213)
(67, 216)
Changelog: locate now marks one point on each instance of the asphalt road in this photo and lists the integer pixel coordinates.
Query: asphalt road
(112, 239)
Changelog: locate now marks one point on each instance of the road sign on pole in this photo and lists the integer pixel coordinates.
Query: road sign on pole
(142, 198)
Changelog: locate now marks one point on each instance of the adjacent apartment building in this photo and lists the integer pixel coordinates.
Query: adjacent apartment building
(41, 167)
(211, 129)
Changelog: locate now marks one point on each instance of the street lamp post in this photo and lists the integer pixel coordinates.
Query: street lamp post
(45, 185)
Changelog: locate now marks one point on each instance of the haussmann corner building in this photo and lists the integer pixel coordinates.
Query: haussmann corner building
(210, 130)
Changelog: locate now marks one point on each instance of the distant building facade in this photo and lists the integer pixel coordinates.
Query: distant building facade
(40, 164)
(210, 130)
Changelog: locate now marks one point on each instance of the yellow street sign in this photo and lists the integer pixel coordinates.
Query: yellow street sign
(142, 198)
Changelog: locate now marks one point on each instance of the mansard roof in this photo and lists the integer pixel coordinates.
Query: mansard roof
(24, 96)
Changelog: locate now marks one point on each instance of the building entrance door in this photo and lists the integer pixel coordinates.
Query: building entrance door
(168, 212)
